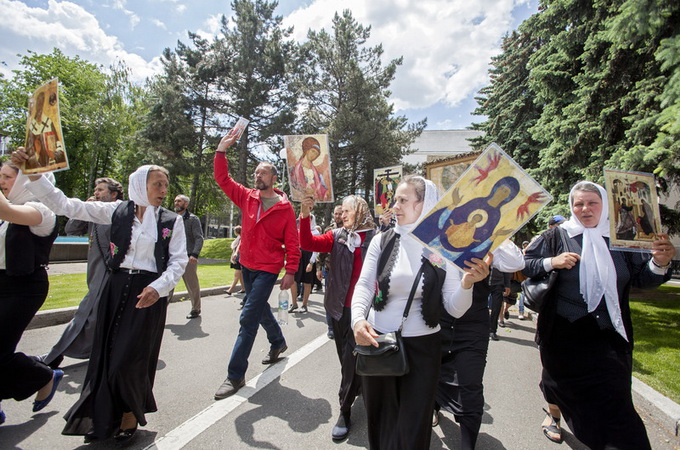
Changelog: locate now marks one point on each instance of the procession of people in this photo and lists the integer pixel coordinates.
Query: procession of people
(381, 277)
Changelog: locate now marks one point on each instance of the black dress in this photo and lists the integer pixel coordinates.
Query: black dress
(587, 366)
(122, 368)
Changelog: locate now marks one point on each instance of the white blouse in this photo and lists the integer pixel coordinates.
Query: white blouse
(456, 299)
(140, 255)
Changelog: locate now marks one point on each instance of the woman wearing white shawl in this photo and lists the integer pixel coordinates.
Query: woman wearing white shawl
(585, 331)
(399, 409)
(27, 231)
(148, 256)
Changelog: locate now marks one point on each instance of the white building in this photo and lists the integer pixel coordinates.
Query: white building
(437, 144)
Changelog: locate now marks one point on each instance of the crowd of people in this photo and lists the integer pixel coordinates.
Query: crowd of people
(378, 277)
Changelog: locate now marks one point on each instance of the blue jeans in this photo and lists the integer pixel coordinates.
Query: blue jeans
(520, 302)
(256, 312)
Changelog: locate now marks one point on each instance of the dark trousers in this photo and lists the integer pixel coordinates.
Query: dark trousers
(399, 409)
(20, 298)
(256, 312)
(350, 385)
(496, 297)
(461, 390)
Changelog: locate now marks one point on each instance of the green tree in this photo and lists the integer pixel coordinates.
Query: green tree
(95, 108)
(257, 64)
(345, 88)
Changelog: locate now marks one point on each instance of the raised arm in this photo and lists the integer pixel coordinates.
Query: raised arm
(56, 200)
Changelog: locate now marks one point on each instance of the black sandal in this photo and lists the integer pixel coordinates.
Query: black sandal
(553, 428)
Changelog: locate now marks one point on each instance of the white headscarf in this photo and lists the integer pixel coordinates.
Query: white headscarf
(19, 195)
(138, 194)
(429, 201)
(597, 274)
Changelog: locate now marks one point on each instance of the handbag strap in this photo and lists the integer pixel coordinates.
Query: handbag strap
(416, 283)
(563, 238)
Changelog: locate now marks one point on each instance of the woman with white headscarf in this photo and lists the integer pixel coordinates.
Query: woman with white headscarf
(399, 409)
(585, 332)
(27, 231)
(146, 260)
(347, 246)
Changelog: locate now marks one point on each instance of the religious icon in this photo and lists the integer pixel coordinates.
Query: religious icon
(634, 218)
(309, 167)
(490, 201)
(239, 128)
(386, 180)
(44, 139)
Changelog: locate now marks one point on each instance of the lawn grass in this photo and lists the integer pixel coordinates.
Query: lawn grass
(68, 290)
(656, 325)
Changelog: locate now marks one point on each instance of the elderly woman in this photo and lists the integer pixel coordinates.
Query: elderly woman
(347, 247)
(585, 331)
(147, 258)
(400, 408)
(27, 231)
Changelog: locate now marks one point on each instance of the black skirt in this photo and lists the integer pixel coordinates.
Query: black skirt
(122, 367)
(587, 373)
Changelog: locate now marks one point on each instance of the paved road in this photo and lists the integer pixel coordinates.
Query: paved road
(290, 405)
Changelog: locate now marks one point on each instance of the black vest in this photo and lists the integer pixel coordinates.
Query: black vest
(433, 279)
(121, 235)
(24, 251)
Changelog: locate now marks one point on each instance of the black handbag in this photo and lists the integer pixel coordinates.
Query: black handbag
(536, 290)
(389, 358)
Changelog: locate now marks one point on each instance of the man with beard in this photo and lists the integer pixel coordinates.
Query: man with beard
(194, 233)
(269, 240)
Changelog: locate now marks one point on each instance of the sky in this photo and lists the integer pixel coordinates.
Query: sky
(447, 45)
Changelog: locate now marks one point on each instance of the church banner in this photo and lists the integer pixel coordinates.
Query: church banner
(385, 181)
(309, 169)
(634, 218)
(44, 139)
(490, 201)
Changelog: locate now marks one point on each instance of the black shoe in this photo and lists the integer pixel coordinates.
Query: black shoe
(506, 314)
(229, 388)
(123, 436)
(494, 336)
(56, 362)
(273, 355)
(341, 428)
(330, 334)
(193, 314)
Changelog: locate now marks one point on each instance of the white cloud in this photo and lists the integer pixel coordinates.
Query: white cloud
(121, 6)
(68, 27)
(447, 45)
(159, 24)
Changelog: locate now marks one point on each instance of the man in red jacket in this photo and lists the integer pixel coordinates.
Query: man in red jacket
(269, 239)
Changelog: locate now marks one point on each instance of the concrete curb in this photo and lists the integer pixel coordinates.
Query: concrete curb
(668, 411)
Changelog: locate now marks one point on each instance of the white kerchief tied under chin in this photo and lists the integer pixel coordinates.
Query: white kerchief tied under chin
(138, 194)
(430, 200)
(597, 274)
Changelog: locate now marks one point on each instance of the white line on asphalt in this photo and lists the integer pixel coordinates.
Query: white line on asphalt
(186, 432)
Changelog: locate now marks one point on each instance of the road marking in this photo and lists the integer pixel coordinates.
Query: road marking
(186, 432)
